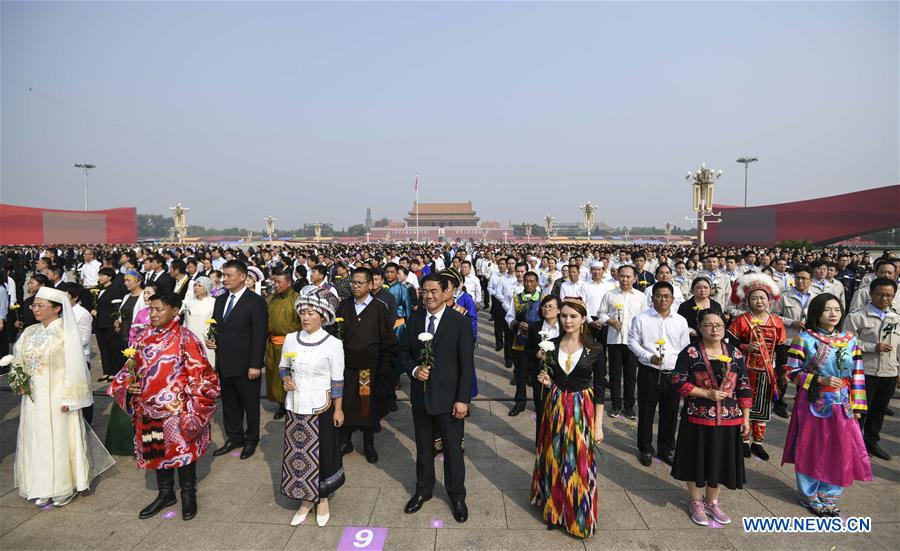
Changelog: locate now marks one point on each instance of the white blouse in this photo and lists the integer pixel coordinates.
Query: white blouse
(317, 366)
(575, 356)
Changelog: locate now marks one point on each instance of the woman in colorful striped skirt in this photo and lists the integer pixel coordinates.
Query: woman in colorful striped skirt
(824, 441)
(312, 370)
(564, 483)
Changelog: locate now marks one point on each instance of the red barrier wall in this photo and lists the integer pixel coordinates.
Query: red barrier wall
(820, 221)
(35, 226)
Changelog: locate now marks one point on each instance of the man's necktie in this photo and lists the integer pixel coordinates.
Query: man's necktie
(228, 307)
(431, 324)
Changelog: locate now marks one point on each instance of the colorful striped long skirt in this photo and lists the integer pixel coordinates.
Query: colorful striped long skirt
(564, 483)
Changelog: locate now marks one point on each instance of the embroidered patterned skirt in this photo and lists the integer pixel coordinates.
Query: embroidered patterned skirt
(312, 467)
(761, 410)
(564, 483)
(708, 455)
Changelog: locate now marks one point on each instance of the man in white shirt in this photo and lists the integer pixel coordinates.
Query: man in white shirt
(85, 321)
(617, 309)
(90, 269)
(656, 338)
(511, 287)
(572, 288)
(664, 273)
(595, 289)
(497, 312)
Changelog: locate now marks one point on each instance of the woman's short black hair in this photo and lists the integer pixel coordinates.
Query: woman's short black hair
(817, 308)
(545, 300)
(169, 299)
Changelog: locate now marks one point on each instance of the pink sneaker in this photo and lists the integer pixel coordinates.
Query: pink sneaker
(715, 511)
(698, 513)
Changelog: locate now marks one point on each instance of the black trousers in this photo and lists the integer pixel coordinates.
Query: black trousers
(655, 389)
(484, 292)
(368, 436)
(108, 343)
(782, 385)
(879, 391)
(622, 364)
(499, 324)
(451, 432)
(539, 394)
(240, 400)
(520, 371)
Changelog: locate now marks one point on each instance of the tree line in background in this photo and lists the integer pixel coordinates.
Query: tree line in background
(150, 226)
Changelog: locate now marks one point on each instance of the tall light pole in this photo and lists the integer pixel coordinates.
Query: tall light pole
(588, 211)
(746, 162)
(548, 225)
(702, 181)
(85, 167)
(528, 226)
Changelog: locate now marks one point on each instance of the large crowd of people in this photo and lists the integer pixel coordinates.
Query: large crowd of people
(699, 342)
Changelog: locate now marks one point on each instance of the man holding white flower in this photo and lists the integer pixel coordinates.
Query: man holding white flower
(656, 338)
(440, 393)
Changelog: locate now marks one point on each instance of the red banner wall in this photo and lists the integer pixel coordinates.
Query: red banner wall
(36, 226)
(820, 221)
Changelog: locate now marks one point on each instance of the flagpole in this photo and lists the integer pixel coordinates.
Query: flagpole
(417, 208)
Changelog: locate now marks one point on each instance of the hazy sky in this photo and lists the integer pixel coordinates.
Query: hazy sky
(315, 111)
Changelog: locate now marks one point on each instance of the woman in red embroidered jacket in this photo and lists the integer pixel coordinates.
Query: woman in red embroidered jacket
(710, 374)
(170, 390)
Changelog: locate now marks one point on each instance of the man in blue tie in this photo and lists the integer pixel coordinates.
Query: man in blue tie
(242, 320)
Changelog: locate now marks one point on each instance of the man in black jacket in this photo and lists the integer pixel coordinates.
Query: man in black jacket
(105, 312)
(242, 320)
(159, 274)
(440, 394)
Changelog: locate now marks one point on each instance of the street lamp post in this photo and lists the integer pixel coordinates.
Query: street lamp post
(85, 167)
(746, 162)
(588, 212)
(548, 225)
(668, 231)
(528, 226)
(703, 181)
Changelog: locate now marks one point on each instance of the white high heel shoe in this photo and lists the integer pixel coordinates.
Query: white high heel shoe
(300, 516)
(322, 520)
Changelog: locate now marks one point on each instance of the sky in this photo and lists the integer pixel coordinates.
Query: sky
(312, 112)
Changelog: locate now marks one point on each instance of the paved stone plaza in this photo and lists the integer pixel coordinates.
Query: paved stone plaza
(241, 506)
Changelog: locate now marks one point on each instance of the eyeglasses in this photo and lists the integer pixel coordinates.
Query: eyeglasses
(716, 326)
(358, 283)
(430, 291)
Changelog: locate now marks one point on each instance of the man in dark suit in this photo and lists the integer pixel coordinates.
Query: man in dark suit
(440, 394)
(242, 320)
(182, 282)
(105, 312)
(157, 273)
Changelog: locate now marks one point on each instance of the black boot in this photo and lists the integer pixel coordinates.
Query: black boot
(187, 479)
(165, 481)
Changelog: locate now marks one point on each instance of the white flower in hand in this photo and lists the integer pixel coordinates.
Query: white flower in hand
(6, 360)
(544, 334)
(426, 337)
(547, 346)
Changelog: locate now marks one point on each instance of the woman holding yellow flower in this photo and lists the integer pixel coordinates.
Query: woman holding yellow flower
(824, 441)
(710, 375)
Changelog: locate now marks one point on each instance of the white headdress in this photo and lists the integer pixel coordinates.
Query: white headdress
(750, 282)
(76, 391)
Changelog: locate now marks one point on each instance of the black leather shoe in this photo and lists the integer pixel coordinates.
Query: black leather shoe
(667, 458)
(613, 412)
(165, 481)
(878, 452)
(512, 381)
(629, 414)
(371, 455)
(248, 451)
(346, 448)
(460, 511)
(280, 413)
(516, 409)
(759, 452)
(187, 479)
(415, 503)
(746, 447)
(646, 460)
(229, 446)
(781, 411)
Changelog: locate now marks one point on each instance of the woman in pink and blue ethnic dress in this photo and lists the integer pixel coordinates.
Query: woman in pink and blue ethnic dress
(711, 376)
(823, 441)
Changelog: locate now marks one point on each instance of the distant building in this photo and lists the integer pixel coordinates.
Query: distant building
(442, 215)
(368, 219)
(442, 222)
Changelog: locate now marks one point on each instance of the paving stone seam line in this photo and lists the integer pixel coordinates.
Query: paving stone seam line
(628, 494)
